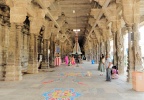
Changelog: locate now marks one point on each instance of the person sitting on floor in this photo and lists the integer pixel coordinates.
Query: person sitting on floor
(114, 72)
(72, 60)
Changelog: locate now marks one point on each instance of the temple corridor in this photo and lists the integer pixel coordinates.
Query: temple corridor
(93, 87)
(42, 41)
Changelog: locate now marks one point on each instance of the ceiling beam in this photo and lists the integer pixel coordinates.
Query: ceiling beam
(48, 14)
(100, 15)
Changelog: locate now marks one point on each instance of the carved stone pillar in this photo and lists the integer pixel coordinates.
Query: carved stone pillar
(103, 48)
(62, 53)
(120, 51)
(137, 48)
(45, 54)
(108, 46)
(18, 45)
(95, 50)
(25, 52)
(6, 30)
(97, 53)
(114, 49)
(130, 68)
(13, 68)
(33, 59)
(52, 47)
(1, 50)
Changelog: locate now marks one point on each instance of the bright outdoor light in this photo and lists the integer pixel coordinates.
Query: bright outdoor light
(76, 30)
(73, 11)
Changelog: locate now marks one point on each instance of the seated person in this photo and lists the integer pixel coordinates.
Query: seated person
(114, 72)
(73, 60)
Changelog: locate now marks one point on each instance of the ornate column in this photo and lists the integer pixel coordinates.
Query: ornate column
(132, 18)
(1, 49)
(130, 68)
(108, 46)
(45, 48)
(33, 55)
(114, 43)
(25, 51)
(45, 54)
(103, 48)
(13, 68)
(120, 48)
(18, 46)
(52, 47)
(25, 47)
(137, 48)
(98, 53)
(35, 27)
(95, 51)
(4, 33)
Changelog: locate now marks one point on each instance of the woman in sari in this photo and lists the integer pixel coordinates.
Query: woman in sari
(66, 60)
(72, 61)
(102, 66)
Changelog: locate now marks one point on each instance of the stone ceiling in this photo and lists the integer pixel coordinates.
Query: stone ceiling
(77, 15)
(81, 14)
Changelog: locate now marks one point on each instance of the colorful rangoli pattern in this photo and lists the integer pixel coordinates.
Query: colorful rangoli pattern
(61, 94)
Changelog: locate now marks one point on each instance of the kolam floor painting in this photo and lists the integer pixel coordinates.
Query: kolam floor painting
(61, 94)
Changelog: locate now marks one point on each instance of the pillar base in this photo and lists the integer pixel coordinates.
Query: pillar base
(1, 73)
(32, 68)
(13, 73)
(44, 65)
(129, 76)
(121, 70)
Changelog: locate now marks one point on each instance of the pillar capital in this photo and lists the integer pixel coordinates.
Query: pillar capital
(129, 28)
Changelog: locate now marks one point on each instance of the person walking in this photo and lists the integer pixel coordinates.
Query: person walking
(102, 66)
(100, 62)
(108, 64)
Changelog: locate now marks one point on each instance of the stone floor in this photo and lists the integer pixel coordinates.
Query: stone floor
(69, 83)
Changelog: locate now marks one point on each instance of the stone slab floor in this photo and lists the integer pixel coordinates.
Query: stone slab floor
(68, 83)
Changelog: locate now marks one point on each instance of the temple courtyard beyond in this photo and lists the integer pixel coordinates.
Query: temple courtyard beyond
(71, 49)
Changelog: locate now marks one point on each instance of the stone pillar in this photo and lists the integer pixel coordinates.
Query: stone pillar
(33, 60)
(137, 48)
(6, 30)
(61, 49)
(120, 51)
(95, 56)
(45, 54)
(13, 67)
(25, 51)
(52, 48)
(1, 50)
(103, 47)
(114, 49)
(4, 33)
(131, 16)
(130, 68)
(108, 46)
(97, 53)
